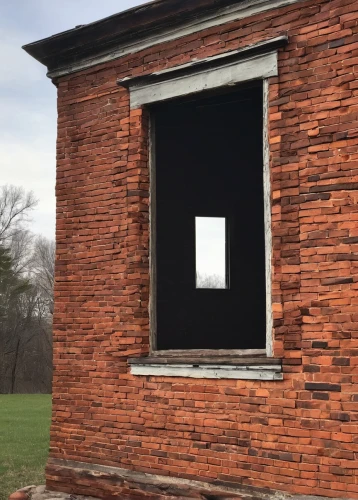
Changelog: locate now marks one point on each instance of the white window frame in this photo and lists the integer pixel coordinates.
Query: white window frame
(255, 62)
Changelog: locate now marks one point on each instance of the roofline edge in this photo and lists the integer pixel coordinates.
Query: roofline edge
(241, 10)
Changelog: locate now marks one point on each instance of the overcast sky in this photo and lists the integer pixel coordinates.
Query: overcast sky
(28, 98)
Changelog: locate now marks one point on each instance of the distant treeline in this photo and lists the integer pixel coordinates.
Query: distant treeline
(26, 298)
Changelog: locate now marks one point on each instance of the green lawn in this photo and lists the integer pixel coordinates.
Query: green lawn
(24, 440)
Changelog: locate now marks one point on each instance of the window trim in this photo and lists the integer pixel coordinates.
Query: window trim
(255, 62)
(267, 219)
(209, 371)
(268, 351)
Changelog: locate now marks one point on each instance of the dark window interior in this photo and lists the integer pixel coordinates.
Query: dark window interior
(209, 163)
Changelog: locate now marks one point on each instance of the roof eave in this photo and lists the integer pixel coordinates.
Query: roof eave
(84, 41)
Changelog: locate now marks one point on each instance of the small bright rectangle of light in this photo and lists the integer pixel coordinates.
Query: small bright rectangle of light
(210, 246)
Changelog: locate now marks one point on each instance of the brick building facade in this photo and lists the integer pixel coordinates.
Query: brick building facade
(281, 412)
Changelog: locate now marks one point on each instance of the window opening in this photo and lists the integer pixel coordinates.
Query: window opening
(211, 253)
(208, 176)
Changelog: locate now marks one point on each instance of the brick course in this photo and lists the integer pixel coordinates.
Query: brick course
(300, 434)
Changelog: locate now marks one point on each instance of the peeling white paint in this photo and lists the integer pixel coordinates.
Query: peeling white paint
(270, 372)
(267, 215)
(202, 78)
(256, 67)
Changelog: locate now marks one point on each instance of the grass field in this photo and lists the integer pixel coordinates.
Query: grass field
(24, 440)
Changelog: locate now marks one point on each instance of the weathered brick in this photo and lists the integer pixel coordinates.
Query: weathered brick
(319, 386)
(297, 434)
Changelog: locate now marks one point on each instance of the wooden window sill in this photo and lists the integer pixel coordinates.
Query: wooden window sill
(216, 367)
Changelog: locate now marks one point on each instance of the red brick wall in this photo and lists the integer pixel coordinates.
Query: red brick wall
(298, 435)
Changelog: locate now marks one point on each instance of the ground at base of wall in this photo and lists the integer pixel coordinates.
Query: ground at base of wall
(41, 493)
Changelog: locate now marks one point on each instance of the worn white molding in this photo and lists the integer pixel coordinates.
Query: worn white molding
(268, 222)
(252, 68)
(222, 16)
(216, 72)
(239, 372)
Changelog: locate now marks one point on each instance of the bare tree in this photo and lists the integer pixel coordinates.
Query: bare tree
(210, 281)
(15, 205)
(12, 290)
(25, 328)
(20, 245)
(43, 268)
(28, 351)
(26, 298)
